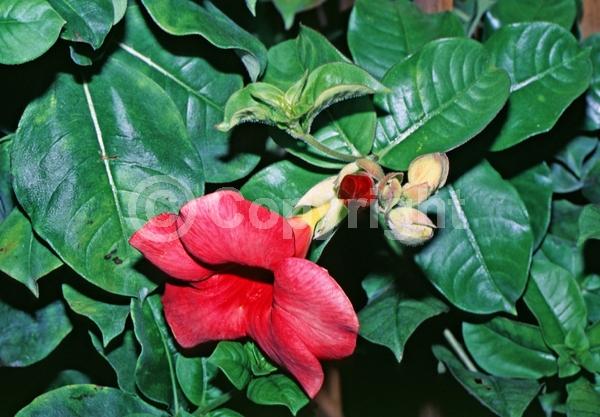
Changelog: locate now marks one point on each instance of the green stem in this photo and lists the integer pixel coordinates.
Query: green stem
(312, 141)
(460, 351)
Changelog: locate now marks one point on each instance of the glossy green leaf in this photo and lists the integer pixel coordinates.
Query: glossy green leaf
(22, 255)
(89, 401)
(470, 12)
(68, 377)
(93, 161)
(480, 256)
(31, 334)
(251, 4)
(554, 298)
(505, 397)
(255, 103)
(88, 21)
(589, 223)
(390, 318)
(562, 252)
(509, 349)
(590, 288)
(232, 359)
(280, 185)
(29, 28)
(582, 400)
(535, 189)
(7, 200)
(441, 97)
(277, 390)
(195, 376)
(544, 81)
(505, 12)
(185, 17)
(591, 181)
(109, 317)
(569, 171)
(289, 8)
(122, 355)
(592, 97)
(564, 221)
(120, 8)
(198, 90)
(259, 365)
(155, 370)
(347, 127)
(382, 35)
(223, 412)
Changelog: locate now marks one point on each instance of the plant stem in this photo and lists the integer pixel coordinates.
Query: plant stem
(312, 141)
(460, 351)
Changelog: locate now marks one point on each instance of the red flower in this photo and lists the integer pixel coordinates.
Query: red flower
(241, 273)
(357, 187)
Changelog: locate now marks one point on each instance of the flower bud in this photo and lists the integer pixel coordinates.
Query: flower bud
(431, 169)
(358, 188)
(390, 190)
(410, 226)
(320, 194)
(336, 213)
(414, 194)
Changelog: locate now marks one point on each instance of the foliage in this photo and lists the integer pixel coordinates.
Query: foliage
(126, 109)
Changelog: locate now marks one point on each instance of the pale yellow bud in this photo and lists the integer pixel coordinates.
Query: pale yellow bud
(410, 226)
(390, 190)
(431, 169)
(336, 213)
(371, 167)
(416, 193)
(320, 194)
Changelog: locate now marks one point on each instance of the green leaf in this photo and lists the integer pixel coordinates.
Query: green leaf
(277, 390)
(109, 317)
(7, 200)
(184, 17)
(535, 189)
(590, 288)
(223, 412)
(564, 221)
(583, 400)
(505, 397)
(381, 36)
(592, 97)
(280, 185)
(259, 365)
(544, 81)
(251, 4)
(441, 97)
(256, 102)
(93, 161)
(480, 257)
(29, 28)
(199, 91)
(88, 21)
(289, 8)
(120, 8)
(568, 173)
(22, 255)
(232, 359)
(331, 83)
(155, 370)
(564, 253)
(505, 12)
(348, 127)
(591, 181)
(29, 335)
(390, 318)
(471, 12)
(68, 377)
(589, 223)
(195, 376)
(554, 298)
(509, 349)
(89, 401)
(122, 355)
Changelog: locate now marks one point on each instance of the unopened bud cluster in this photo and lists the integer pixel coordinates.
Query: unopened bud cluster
(363, 183)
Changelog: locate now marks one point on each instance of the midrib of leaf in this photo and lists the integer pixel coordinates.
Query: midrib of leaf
(104, 157)
(472, 240)
(163, 340)
(343, 134)
(426, 117)
(148, 61)
(514, 342)
(547, 71)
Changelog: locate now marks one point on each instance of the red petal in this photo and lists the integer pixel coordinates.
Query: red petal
(311, 319)
(302, 236)
(223, 227)
(159, 242)
(214, 309)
